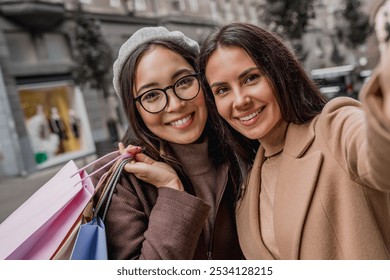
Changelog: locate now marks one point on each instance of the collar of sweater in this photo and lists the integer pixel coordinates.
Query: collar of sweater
(193, 157)
(273, 143)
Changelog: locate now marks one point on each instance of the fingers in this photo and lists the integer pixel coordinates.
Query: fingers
(137, 168)
(155, 174)
(143, 158)
(129, 149)
(121, 148)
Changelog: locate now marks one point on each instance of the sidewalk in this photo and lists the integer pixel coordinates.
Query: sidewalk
(16, 190)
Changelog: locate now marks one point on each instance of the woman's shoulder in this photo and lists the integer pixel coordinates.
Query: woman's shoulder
(341, 103)
(341, 122)
(341, 111)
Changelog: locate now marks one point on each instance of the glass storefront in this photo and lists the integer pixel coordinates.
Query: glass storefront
(56, 122)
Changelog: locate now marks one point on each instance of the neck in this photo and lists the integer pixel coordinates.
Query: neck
(273, 142)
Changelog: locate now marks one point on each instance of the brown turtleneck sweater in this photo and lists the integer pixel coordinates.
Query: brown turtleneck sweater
(203, 175)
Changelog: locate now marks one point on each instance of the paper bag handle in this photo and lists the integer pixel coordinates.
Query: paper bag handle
(122, 156)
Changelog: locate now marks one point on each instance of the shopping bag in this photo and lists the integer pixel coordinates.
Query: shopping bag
(64, 251)
(38, 226)
(91, 241)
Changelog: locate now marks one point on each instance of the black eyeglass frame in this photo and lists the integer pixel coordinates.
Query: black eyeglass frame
(164, 90)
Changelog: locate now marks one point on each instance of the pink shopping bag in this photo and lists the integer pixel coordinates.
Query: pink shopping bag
(37, 228)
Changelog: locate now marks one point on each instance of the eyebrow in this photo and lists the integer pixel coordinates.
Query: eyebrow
(175, 76)
(247, 71)
(239, 76)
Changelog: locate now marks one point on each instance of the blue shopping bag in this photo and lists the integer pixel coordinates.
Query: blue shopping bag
(91, 241)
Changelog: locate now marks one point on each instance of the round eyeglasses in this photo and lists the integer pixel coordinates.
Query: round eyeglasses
(155, 100)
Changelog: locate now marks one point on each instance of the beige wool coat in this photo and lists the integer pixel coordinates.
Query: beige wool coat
(332, 198)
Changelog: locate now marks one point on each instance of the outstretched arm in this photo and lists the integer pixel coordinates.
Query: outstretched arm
(384, 77)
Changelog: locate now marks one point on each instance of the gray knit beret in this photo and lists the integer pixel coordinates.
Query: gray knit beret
(145, 35)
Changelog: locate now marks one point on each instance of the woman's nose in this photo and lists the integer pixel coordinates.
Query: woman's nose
(241, 100)
(174, 102)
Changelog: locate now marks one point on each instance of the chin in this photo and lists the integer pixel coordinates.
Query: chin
(188, 140)
(252, 136)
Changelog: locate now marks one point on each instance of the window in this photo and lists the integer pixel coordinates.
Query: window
(115, 3)
(194, 7)
(21, 48)
(179, 5)
(253, 14)
(139, 5)
(228, 11)
(241, 11)
(214, 11)
(57, 47)
(56, 121)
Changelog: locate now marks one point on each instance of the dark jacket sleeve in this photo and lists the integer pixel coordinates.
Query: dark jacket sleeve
(145, 222)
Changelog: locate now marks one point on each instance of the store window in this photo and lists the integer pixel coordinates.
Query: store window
(56, 122)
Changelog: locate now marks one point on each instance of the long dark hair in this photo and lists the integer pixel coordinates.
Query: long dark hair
(139, 134)
(298, 97)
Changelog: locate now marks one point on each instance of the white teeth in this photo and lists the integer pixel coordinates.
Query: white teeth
(251, 116)
(181, 121)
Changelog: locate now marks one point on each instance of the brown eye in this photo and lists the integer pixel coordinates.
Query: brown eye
(221, 90)
(152, 96)
(251, 78)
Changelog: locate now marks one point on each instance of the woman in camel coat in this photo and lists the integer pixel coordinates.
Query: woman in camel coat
(320, 184)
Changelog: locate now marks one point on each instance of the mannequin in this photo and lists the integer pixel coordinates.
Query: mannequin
(44, 143)
(74, 121)
(57, 124)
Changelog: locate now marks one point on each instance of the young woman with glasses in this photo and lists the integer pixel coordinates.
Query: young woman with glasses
(177, 200)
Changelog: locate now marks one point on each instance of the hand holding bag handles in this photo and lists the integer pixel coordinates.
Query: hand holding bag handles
(91, 239)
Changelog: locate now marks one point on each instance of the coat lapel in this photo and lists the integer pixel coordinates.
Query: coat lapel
(295, 187)
(297, 178)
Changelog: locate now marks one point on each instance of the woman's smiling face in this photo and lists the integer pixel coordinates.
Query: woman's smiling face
(181, 121)
(243, 95)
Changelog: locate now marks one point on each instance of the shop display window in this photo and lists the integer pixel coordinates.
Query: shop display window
(56, 122)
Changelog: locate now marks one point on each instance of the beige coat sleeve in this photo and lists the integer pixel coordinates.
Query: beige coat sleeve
(358, 134)
(376, 97)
